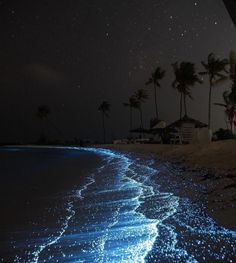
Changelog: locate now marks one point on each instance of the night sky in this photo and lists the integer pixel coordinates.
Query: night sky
(72, 55)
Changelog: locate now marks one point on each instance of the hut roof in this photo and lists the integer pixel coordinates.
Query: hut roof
(187, 119)
(159, 125)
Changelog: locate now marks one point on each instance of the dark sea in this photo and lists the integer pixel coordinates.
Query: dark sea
(95, 205)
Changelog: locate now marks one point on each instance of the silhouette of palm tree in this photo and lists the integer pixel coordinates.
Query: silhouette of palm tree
(215, 69)
(104, 108)
(230, 109)
(155, 78)
(140, 96)
(132, 104)
(232, 62)
(185, 77)
(229, 97)
(43, 112)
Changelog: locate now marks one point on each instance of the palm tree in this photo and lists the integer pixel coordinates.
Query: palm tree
(185, 77)
(140, 96)
(104, 108)
(229, 97)
(132, 104)
(155, 78)
(230, 109)
(232, 65)
(215, 69)
(232, 62)
(42, 113)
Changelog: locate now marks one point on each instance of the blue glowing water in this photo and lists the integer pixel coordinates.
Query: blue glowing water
(119, 214)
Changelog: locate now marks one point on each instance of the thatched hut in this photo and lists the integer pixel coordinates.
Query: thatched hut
(188, 129)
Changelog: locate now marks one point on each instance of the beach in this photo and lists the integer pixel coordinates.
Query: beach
(71, 204)
(212, 168)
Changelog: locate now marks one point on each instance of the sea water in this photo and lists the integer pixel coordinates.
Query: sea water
(96, 205)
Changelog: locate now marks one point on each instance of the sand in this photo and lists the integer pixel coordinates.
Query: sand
(216, 155)
(212, 167)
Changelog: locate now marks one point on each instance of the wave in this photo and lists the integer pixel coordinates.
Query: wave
(103, 221)
(121, 215)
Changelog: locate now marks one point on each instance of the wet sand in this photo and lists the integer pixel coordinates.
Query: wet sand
(208, 172)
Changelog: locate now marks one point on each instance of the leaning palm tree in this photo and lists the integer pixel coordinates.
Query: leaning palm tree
(155, 78)
(215, 68)
(229, 97)
(104, 108)
(232, 66)
(132, 104)
(140, 96)
(230, 109)
(232, 62)
(185, 77)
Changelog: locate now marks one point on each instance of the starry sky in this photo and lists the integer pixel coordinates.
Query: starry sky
(72, 55)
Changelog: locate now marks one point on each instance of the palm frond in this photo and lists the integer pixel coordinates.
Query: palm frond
(141, 95)
(219, 81)
(150, 81)
(156, 76)
(104, 107)
(185, 76)
(221, 104)
(203, 73)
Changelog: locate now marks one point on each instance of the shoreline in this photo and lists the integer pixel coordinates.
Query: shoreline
(220, 155)
(207, 172)
(211, 167)
(129, 211)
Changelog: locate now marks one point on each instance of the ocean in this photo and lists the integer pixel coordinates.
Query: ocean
(95, 205)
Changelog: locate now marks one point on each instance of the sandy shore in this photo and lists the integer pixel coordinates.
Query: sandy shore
(217, 155)
(207, 171)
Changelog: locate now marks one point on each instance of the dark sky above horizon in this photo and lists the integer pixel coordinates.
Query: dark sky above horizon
(71, 55)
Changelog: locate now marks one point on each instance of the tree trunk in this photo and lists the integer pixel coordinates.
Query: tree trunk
(226, 122)
(180, 105)
(43, 136)
(209, 105)
(141, 119)
(60, 133)
(131, 118)
(185, 105)
(103, 127)
(155, 94)
(233, 125)
(231, 121)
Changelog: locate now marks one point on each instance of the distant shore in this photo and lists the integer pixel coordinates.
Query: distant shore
(211, 167)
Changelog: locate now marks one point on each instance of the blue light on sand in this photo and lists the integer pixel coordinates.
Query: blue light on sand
(120, 215)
